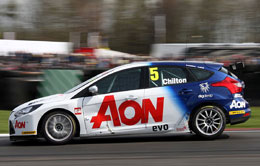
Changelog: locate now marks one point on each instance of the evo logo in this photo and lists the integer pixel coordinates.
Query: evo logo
(160, 127)
(237, 104)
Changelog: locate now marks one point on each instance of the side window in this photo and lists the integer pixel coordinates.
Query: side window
(165, 76)
(120, 81)
(201, 74)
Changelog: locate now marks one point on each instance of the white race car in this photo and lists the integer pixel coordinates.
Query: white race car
(135, 99)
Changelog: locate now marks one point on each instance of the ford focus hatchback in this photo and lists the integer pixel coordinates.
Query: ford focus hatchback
(138, 99)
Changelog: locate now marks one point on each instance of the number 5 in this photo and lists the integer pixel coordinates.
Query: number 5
(154, 75)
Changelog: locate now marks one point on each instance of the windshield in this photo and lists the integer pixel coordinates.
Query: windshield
(88, 81)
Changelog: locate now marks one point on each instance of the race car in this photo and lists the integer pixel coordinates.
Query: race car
(138, 99)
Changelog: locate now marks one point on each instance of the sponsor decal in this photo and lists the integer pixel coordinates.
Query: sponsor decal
(77, 111)
(205, 96)
(190, 66)
(141, 112)
(200, 67)
(204, 87)
(28, 132)
(237, 95)
(168, 81)
(160, 127)
(237, 104)
(237, 112)
(19, 125)
(181, 129)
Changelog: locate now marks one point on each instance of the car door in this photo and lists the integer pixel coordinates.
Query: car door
(168, 89)
(116, 109)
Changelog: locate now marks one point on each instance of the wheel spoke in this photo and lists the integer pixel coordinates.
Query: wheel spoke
(203, 116)
(207, 129)
(214, 115)
(211, 129)
(216, 119)
(214, 126)
(201, 119)
(206, 114)
(204, 127)
(64, 132)
(216, 123)
(55, 119)
(201, 124)
(210, 114)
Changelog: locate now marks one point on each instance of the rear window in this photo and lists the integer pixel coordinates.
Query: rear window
(201, 74)
(226, 71)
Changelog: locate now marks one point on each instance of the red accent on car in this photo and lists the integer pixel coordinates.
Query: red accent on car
(231, 84)
(246, 114)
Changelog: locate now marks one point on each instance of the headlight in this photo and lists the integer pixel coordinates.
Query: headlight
(26, 110)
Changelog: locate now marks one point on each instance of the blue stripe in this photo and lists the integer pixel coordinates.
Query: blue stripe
(176, 100)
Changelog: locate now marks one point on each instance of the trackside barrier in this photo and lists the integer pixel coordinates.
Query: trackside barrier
(58, 81)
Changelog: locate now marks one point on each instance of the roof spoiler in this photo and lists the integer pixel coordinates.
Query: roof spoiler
(213, 65)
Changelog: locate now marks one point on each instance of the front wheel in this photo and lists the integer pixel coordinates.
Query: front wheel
(58, 127)
(208, 122)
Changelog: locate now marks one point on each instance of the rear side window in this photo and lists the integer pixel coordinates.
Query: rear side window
(167, 76)
(201, 74)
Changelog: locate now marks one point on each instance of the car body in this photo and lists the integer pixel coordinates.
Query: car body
(137, 99)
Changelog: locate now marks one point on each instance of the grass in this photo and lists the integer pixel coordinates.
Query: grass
(4, 115)
(253, 122)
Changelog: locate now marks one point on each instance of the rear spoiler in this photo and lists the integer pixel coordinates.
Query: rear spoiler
(213, 65)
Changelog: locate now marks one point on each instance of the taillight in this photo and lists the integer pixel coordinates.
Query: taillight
(232, 85)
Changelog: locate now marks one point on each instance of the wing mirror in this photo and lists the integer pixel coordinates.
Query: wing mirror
(93, 89)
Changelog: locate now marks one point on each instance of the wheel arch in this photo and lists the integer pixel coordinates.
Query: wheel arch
(77, 134)
(212, 104)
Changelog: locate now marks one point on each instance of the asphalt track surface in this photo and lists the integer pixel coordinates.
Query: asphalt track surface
(232, 148)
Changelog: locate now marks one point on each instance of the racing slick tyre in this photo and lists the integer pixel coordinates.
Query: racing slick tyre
(58, 127)
(208, 122)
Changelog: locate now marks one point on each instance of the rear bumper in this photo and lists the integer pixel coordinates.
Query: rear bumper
(239, 120)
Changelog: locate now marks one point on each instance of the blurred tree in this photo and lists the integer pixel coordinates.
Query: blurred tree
(55, 19)
(216, 21)
(129, 24)
(132, 30)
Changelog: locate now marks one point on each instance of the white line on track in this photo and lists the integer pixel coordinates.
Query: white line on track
(4, 135)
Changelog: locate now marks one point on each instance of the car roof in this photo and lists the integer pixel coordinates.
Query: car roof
(199, 64)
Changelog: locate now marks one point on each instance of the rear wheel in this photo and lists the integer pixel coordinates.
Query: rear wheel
(58, 127)
(208, 122)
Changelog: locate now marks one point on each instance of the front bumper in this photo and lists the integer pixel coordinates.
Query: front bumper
(22, 126)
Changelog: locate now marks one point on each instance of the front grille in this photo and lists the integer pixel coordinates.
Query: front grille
(11, 128)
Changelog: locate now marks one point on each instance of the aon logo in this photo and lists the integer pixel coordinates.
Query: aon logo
(142, 112)
(237, 104)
